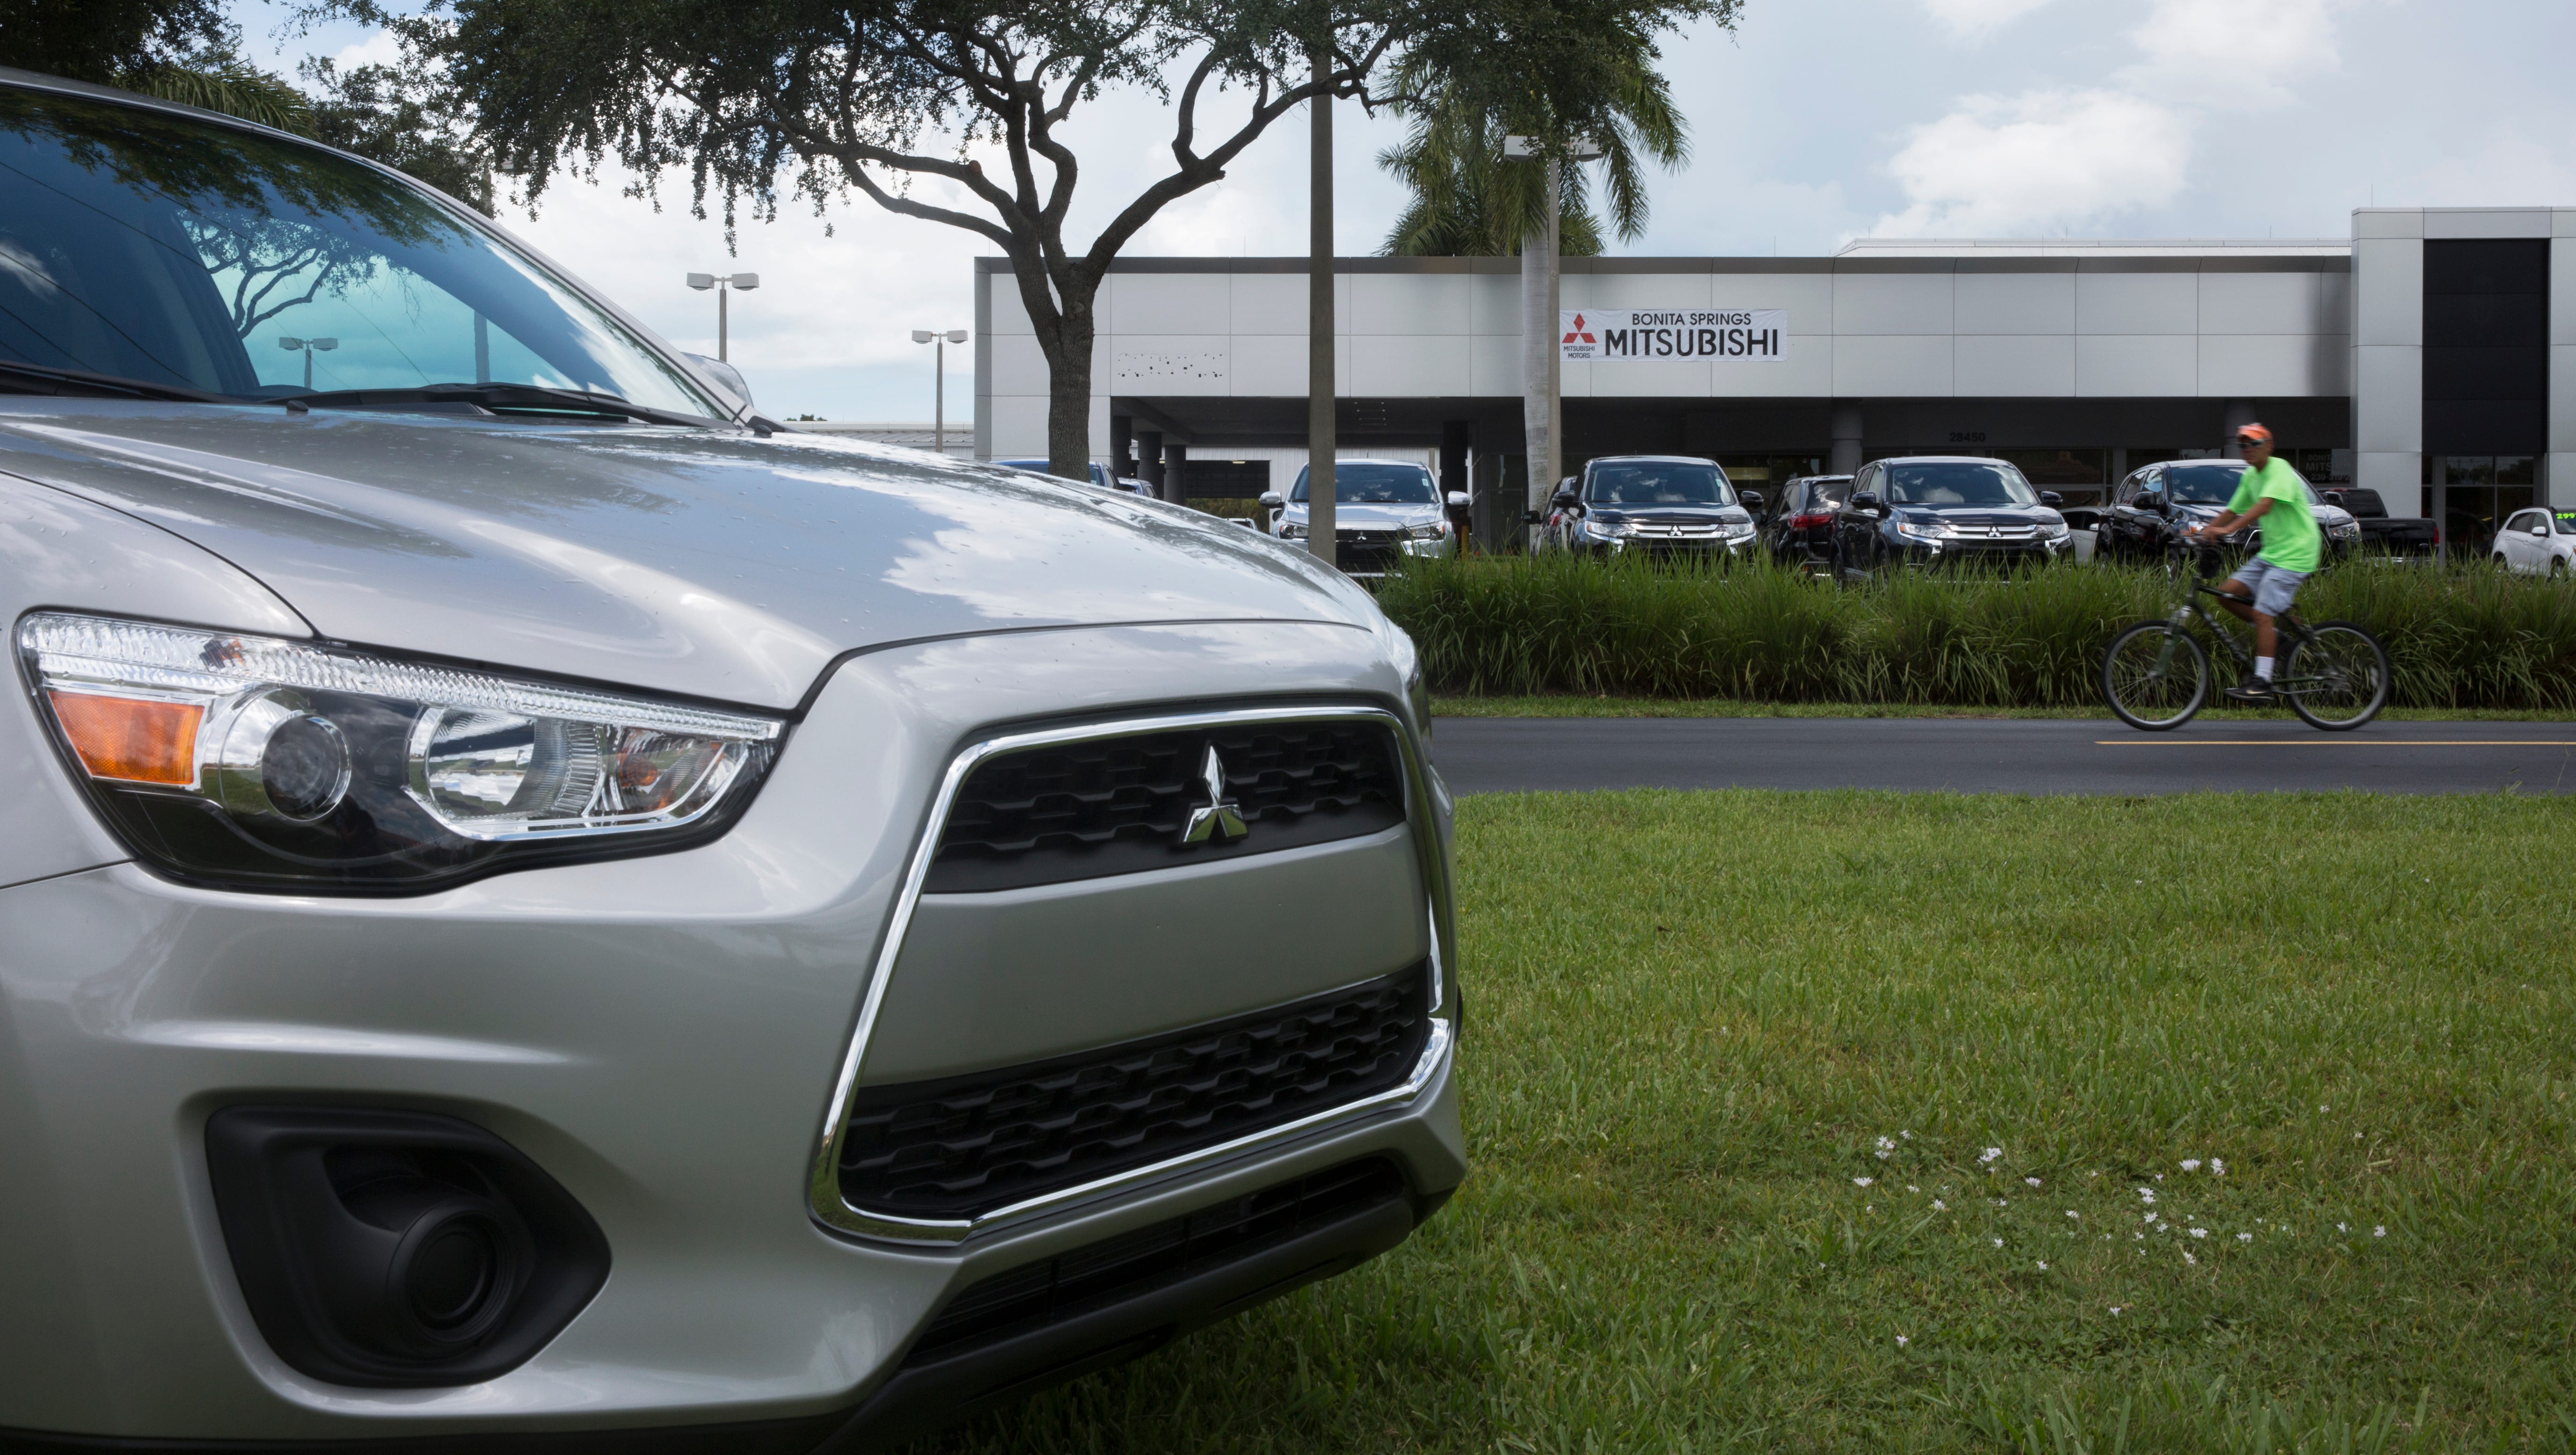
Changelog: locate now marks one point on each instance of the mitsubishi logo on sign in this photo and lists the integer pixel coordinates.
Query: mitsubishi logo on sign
(1576, 333)
(1220, 820)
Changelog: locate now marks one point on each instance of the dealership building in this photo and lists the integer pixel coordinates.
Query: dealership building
(2431, 356)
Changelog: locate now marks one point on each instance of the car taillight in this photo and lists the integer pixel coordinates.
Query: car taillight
(1809, 522)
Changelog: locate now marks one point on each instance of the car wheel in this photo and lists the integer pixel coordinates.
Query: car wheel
(2558, 569)
(2499, 562)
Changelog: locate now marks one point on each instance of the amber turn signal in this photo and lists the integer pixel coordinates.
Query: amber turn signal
(132, 739)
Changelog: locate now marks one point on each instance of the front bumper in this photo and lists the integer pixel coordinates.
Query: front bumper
(1974, 555)
(661, 1035)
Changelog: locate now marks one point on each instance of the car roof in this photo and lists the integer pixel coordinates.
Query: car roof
(2204, 460)
(1340, 460)
(1942, 460)
(1650, 459)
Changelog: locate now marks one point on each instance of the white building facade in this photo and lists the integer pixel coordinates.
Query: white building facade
(2433, 356)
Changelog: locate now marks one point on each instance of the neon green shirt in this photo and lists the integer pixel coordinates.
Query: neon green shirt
(2291, 540)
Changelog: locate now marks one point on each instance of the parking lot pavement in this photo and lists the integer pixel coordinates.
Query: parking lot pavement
(1999, 755)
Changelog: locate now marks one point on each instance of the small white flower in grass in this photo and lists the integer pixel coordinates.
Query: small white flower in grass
(2379, 1232)
(2115, 1310)
(1999, 1242)
(1939, 1206)
(2218, 1166)
(2200, 1232)
(1869, 1207)
(2340, 1228)
(2033, 1181)
(2043, 1268)
(2072, 1213)
(2187, 1258)
(1909, 1136)
(2160, 1177)
(1990, 1154)
(2191, 1164)
(2245, 1237)
(1910, 1187)
(2322, 1108)
(2148, 1193)
(1900, 1341)
(1862, 1181)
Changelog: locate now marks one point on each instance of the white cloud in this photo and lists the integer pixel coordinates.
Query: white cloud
(2231, 53)
(1973, 19)
(2038, 162)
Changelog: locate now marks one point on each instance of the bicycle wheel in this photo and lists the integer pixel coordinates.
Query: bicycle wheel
(2337, 679)
(2155, 676)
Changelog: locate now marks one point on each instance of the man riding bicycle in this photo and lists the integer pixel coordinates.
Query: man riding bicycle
(2262, 589)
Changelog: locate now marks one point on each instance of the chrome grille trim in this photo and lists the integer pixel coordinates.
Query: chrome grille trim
(824, 1198)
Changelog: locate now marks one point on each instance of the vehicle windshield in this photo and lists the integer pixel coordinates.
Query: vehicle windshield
(2210, 484)
(1828, 494)
(1955, 482)
(185, 254)
(1657, 482)
(1368, 482)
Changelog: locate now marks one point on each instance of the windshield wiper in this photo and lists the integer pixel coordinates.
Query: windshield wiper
(18, 377)
(496, 396)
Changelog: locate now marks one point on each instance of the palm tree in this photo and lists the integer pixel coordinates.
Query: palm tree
(1468, 199)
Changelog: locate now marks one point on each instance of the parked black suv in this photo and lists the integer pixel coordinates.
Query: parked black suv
(1799, 527)
(1937, 510)
(2155, 501)
(1658, 506)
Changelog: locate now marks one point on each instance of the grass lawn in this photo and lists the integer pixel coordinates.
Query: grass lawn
(1737, 707)
(1857, 1121)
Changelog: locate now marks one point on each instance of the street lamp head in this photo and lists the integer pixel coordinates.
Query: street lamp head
(702, 281)
(744, 282)
(922, 335)
(323, 344)
(289, 343)
(957, 335)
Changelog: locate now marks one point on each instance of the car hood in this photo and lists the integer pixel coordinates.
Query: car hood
(1981, 514)
(1350, 515)
(1673, 514)
(710, 563)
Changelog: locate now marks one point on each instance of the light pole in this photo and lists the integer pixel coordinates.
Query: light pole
(939, 383)
(308, 347)
(1323, 443)
(1542, 361)
(743, 282)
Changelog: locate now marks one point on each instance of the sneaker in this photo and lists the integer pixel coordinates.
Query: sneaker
(2254, 692)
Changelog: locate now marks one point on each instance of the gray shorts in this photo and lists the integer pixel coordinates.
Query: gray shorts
(2272, 586)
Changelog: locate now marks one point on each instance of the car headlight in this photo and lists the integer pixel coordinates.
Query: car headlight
(1611, 529)
(1431, 532)
(1928, 530)
(267, 763)
(1292, 531)
(1735, 530)
(2053, 530)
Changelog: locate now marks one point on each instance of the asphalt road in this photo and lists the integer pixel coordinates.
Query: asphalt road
(1987, 755)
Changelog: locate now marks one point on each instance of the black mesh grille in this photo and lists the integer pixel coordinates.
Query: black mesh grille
(1135, 1263)
(964, 1145)
(1120, 805)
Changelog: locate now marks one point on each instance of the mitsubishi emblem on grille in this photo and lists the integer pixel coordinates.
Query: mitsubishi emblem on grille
(1220, 820)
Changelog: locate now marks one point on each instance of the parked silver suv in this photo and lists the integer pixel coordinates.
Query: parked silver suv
(533, 904)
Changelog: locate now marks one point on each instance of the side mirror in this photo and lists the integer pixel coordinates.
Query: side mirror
(1752, 499)
(2541, 529)
(1457, 500)
(2051, 499)
(2334, 497)
(1564, 496)
(1273, 500)
(1865, 500)
(2155, 501)
(724, 374)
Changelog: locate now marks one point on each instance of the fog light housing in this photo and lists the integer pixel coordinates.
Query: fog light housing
(397, 1249)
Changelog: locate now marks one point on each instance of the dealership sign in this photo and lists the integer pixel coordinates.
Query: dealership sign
(1610, 335)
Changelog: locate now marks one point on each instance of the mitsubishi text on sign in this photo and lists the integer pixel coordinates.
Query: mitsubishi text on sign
(1609, 335)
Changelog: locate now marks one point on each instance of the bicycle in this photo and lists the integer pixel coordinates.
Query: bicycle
(2156, 675)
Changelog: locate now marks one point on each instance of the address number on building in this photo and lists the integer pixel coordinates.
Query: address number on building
(1619, 335)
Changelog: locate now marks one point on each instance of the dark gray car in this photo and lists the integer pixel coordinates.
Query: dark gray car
(533, 903)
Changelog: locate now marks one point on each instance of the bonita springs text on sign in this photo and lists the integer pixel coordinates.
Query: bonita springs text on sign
(1606, 335)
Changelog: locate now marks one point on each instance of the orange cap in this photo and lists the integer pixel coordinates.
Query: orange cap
(2253, 434)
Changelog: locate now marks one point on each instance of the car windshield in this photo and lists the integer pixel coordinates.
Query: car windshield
(1368, 482)
(2567, 522)
(1828, 494)
(1955, 482)
(2211, 484)
(185, 254)
(1657, 482)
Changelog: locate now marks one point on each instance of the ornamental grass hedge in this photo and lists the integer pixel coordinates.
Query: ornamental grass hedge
(2460, 636)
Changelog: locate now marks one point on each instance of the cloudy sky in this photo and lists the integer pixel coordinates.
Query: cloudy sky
(1813, 123)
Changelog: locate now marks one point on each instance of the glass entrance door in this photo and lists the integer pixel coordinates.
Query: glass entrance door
(2473, 494)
